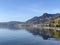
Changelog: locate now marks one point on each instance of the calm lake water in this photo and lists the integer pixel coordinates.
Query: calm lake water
(28, 37)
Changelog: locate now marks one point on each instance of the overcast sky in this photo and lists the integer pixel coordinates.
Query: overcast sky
(22, 10)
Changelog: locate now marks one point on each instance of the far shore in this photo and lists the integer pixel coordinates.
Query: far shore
(53, 28)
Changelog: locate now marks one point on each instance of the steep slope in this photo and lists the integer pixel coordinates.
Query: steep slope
(43, 19)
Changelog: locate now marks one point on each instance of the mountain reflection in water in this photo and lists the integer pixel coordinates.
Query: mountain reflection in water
(29, 37)
(46, 34)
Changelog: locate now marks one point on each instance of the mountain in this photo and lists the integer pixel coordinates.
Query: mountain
(11, 24)
(43, 19)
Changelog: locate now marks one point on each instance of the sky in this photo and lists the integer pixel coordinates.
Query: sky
(22, 10)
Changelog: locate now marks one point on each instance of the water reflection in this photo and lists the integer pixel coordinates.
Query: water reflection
(56, 34)
(45, 34)
(29, 37)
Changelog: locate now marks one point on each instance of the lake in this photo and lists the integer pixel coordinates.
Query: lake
(29, 37)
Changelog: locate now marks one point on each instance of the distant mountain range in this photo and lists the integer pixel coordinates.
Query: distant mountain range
(35, 20)
(11, 24)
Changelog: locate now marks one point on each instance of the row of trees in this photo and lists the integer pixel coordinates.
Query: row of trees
(55, 22)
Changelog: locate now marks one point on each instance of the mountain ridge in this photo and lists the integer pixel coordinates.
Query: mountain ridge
(43, 19)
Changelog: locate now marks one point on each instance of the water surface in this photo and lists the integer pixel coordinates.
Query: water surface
(28, 37)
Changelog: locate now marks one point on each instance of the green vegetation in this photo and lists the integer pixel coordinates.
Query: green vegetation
(57, 22)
